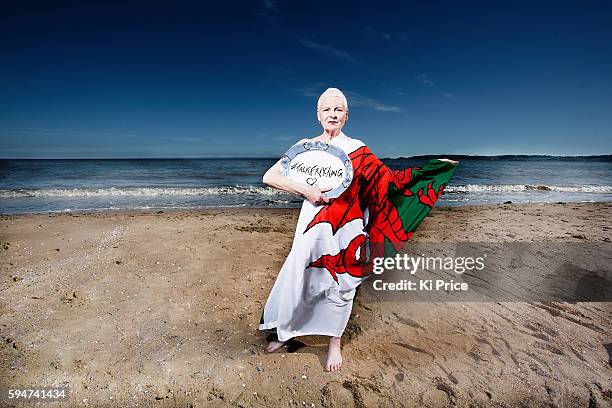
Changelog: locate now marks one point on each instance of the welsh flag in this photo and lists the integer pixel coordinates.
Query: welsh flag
(396, 202)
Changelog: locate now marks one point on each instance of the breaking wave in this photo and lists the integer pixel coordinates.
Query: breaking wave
(521, 188)
(265, 191)
(139, 192)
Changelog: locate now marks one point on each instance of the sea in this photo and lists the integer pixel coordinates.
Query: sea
(68, 185)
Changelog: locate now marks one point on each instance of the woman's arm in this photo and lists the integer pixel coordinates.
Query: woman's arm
(275, 179)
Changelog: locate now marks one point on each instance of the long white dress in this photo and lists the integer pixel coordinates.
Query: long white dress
(334, 243)
(308, 301)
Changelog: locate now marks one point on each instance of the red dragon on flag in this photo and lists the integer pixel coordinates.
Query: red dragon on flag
(396, 200)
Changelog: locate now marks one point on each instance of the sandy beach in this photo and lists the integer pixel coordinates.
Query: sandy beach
(162, 309)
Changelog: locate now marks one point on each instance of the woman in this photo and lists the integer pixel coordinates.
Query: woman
(313, 293)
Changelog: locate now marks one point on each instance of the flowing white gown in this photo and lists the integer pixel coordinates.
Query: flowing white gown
(334, 243)
(308, 301)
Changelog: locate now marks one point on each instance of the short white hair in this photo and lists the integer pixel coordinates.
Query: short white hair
(332, 92)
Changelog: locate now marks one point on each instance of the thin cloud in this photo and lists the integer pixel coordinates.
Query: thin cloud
(270, 6)
(359, 100)
(354, 99)
(425, 80)
(284, 138)
(277, 137)
(312, 91)
(270, 10)
(331, 51)
(389, 37)
(60, 132)
(37, 132)
(449, 95)
(385, 108)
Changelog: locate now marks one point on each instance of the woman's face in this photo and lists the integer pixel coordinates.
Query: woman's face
(332, 113)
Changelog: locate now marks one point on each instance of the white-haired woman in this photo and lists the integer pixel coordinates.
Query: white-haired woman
(313, 293)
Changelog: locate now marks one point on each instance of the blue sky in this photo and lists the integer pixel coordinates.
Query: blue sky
(185, 79)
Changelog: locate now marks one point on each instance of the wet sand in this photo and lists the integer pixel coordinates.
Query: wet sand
(162, 309)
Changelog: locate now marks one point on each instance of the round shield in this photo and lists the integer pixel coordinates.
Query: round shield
(318, 164)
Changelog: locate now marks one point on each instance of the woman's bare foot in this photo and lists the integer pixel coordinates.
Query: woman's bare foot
(274, 345)
(334, 356)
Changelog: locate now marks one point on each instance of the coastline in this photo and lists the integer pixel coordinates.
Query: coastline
(188, 211)
(161, 308)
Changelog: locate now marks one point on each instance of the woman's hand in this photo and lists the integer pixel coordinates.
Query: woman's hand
(450, 161)
(315, 195)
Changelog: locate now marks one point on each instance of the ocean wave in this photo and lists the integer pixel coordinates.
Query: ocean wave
(275, 196)
(509, 188)
(140, 192)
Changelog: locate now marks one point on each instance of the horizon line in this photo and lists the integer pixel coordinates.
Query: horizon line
(220, 157)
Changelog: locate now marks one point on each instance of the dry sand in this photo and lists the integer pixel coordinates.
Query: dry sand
(148, 309)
